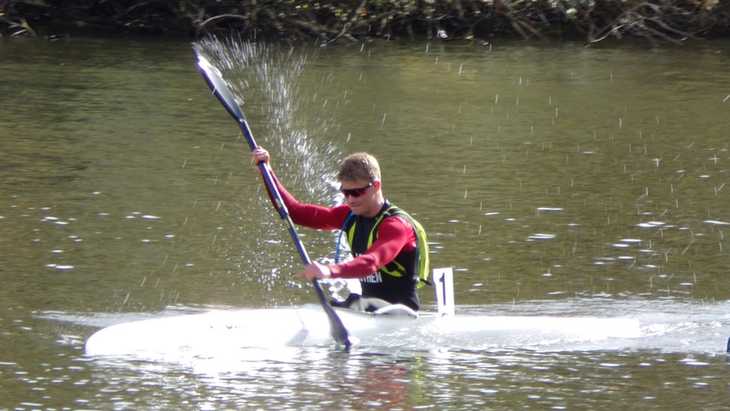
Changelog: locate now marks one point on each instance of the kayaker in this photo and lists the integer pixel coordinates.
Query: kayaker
(389, 247)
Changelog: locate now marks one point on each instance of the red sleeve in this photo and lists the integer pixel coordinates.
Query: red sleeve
(394, 235)
(311, 215)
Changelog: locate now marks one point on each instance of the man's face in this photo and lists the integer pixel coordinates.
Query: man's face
(360, 195)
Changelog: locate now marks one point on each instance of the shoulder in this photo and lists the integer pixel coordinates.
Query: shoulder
(396, 215)
(397, 223)
(341, 209)
(341, 212)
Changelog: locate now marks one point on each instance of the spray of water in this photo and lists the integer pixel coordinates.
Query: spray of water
(269, 76)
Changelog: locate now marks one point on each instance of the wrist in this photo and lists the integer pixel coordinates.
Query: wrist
(326, 271)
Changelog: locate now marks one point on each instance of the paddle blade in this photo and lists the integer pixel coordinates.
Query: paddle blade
(218, 86)
(337, 328)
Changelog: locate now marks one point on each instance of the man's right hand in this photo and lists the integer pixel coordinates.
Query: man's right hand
(260, 155)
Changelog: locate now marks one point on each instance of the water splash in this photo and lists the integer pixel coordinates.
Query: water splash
(270, 74)
(265, 78)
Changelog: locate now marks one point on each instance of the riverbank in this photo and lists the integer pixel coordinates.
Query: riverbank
(355, 20)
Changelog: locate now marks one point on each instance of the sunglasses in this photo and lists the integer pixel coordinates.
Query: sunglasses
(355, 192)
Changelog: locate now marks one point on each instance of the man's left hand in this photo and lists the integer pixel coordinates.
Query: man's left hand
(315, 270)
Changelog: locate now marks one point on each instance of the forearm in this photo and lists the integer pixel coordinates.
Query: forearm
(359, 267)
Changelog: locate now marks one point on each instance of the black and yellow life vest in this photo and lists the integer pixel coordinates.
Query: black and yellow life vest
(397, 281)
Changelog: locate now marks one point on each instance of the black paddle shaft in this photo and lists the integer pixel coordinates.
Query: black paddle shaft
(221, 91)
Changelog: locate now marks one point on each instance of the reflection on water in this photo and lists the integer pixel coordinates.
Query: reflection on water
(553, 178)
(319, 378)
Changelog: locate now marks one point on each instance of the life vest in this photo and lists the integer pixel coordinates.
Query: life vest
(397, 281)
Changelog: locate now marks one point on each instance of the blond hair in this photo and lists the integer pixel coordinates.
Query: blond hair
(359, 166)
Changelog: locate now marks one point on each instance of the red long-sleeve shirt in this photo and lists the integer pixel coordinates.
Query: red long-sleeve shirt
(394, 234)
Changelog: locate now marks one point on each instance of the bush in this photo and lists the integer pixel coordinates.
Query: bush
(329, 21)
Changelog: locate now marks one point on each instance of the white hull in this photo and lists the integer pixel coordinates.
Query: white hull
(217, 332)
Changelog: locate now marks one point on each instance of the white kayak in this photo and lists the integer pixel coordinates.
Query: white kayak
(216, 332)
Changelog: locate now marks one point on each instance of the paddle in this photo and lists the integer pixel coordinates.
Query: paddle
(219, 88)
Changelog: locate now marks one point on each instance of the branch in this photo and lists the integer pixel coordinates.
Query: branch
(202, 25)
(349, 22)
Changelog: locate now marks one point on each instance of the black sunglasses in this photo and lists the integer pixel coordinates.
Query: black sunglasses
(355, 192)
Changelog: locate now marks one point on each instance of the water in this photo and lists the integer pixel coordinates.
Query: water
(555, 179)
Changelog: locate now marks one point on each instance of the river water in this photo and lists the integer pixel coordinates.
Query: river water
(555, 179)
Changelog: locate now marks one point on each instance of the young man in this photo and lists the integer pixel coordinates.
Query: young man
(389, 247)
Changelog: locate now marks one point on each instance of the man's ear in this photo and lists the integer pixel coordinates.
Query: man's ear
(378, 184)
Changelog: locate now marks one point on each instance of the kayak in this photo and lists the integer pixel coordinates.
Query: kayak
(219, 331)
